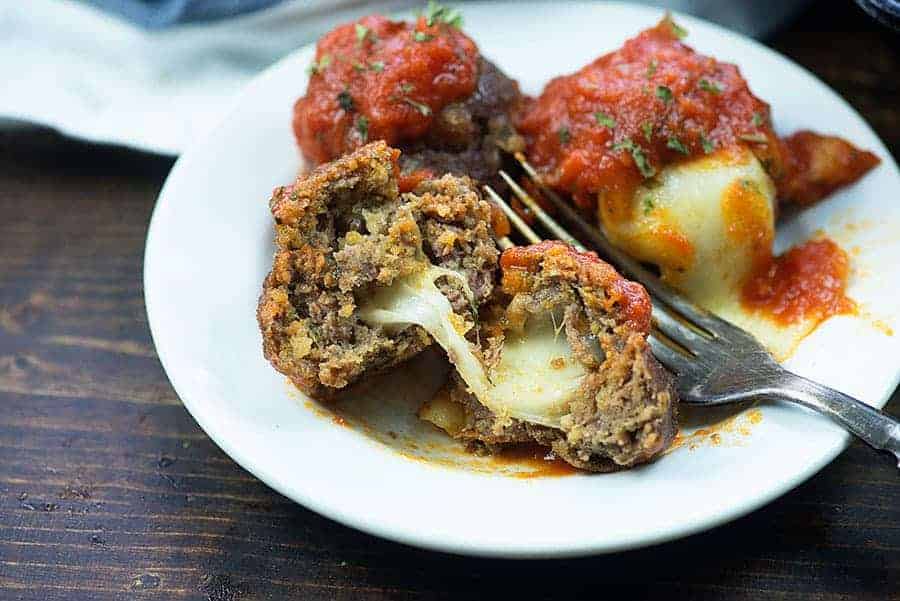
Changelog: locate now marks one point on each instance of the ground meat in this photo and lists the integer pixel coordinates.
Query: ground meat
(474, 137)
(624, 412)
(345, 229)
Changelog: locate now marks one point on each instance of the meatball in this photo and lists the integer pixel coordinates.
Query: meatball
(615, 405)
(422, 87)
(344, 232)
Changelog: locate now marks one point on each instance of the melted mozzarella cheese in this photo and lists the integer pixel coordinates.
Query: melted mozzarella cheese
(537, 370)
(708, 223)
(705, 222)
(536, 375)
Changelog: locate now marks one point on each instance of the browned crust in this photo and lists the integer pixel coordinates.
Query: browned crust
(526, 267)
(819, 164)
(342, 230)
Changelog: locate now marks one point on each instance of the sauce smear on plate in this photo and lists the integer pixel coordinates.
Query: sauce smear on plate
(807, 282)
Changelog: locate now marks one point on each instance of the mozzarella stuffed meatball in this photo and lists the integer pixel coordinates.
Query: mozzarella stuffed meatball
(562, 361)
(346, 235)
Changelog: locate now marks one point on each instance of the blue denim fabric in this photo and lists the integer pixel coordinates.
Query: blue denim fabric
(156, 14)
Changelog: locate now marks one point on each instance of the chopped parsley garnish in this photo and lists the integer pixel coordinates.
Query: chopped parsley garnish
(750, 185)
(648, 204)
(676, 145)
(435, 13)
(707, 144)
(564, 135)
(358, 67)
(345, 100)
(604, 119)
(362, 126)
(377, 66)
(421, 36)
(637, 153)
(677, 30)
(317, 67)
(407, 87)
(756, 138)
(361, 33)
(422, 108)
(758, 119)
(647, 128)
(712, 86)
(651, 68)
(664, 94)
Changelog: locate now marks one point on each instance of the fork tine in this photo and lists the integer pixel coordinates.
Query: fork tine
(676, 361)
(628, 266)
(517, 221)
(554, 228)
(680, 331)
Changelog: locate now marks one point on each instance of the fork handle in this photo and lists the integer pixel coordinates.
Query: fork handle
(876, 428)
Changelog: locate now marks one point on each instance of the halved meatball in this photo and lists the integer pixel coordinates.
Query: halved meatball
(344, 233)
(565, 350)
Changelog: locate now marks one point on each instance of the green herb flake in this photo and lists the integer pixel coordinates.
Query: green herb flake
(637, 153)
(664, 94)
(453, 18)
(676, 145)
(647, 128)
(377, 66)
(648, 204)
(424, 109)
(711, 86)
(707, 144)
(362, 126)
(758, 119)
(651, 68)
(358, 67)
(435, 13)
(564, 135)
(750, 185)
(407, 87)
(677, 30)
(345, 100)
(317, 67)
(421, 36)
(605, 120)
(361, 33)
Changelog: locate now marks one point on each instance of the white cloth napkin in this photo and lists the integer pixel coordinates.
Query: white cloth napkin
(92, 76)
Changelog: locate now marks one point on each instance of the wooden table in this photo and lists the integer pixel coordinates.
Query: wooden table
(109, 490)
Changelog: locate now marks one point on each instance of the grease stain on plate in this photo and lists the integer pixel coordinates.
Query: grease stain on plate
(384, 410)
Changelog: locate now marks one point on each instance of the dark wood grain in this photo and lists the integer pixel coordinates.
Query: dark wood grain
(109, 490)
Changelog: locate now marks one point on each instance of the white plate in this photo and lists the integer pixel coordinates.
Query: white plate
(210, 245)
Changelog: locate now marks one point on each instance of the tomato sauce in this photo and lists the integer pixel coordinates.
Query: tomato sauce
(653, 102)
(377, 79)
(807, 282)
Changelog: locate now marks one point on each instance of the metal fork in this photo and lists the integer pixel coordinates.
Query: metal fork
(716, 363)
